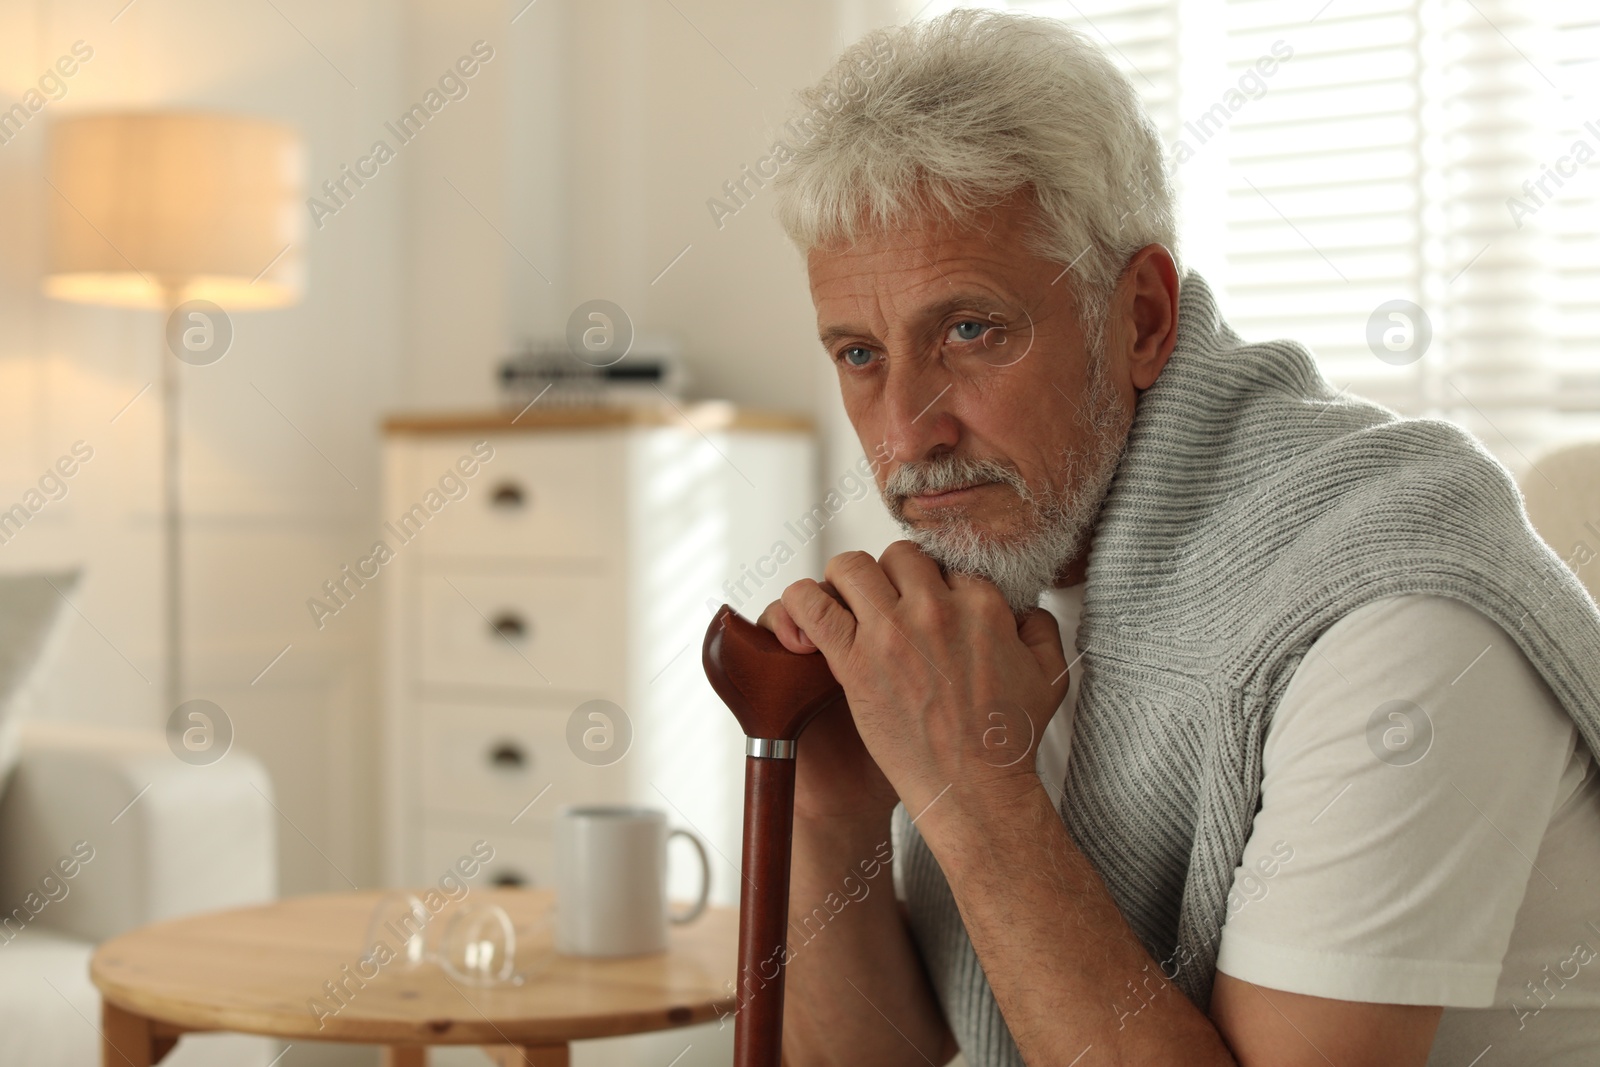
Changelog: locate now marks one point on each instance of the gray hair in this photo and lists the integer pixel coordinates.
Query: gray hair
(948, 117)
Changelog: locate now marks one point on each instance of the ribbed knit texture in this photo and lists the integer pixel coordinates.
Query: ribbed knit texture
(1254, 507)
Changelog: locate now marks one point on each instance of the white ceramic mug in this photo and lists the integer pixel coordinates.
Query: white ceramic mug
(611, 880)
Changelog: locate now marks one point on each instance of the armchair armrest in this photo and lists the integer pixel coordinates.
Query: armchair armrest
(195, 839)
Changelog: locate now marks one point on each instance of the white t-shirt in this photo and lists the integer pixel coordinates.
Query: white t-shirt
(1467, 876)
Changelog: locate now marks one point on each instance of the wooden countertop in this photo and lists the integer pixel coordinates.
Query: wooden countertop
(704, 415)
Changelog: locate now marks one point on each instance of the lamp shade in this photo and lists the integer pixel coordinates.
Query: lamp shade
(147, 206)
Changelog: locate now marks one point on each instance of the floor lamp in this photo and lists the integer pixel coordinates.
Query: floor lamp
(192, 213)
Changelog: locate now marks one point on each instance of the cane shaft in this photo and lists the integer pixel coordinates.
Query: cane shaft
(764, 911)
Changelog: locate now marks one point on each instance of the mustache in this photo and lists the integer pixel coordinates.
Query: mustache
(951, 471)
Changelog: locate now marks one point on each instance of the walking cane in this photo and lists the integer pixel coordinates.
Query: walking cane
(773, 693)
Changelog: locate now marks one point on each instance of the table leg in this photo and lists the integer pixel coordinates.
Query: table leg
(404, 1056)
(528, 1055)
(127, 1040)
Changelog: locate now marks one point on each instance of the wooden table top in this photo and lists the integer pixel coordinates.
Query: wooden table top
(260, 970)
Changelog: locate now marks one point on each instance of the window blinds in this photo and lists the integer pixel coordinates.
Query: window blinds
(1383, 160)
(1577, 206)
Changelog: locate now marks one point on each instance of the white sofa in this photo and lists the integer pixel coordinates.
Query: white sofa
(197, 839)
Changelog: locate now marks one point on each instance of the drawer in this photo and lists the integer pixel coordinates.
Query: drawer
(491, 761)
(540, 495)
(529, 630)
(521, 859)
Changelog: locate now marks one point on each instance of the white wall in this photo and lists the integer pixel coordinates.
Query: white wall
(267, 514)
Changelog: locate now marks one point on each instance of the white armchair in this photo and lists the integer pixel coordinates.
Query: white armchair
(1562, 496)
(167, 839)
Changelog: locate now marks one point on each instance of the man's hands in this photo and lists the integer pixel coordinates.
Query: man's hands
(944, 686)
(835, 777)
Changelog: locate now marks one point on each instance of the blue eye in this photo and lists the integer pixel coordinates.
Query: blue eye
(970, 330)
(849, 355)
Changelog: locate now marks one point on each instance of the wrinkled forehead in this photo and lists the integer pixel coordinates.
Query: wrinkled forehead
(930, 269)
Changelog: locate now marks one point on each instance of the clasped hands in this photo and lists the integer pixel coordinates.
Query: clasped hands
(946, 689)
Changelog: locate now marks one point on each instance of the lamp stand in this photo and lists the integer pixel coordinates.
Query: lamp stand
(171, 507)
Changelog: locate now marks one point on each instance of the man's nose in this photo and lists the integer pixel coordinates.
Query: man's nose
(919, 416)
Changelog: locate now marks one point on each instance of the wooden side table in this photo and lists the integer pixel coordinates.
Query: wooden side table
(262, 970)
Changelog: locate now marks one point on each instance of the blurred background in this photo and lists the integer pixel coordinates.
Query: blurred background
(1408, 186)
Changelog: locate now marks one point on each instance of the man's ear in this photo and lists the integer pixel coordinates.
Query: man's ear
(1148, 300)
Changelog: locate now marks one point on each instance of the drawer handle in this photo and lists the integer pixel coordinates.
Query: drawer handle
(509, 880)
(510, 625)
(507, 756)
(508, 496)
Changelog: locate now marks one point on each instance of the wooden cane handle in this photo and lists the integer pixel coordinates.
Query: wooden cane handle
(773, 693)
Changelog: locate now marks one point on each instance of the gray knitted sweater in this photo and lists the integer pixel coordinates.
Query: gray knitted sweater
(1252, 509)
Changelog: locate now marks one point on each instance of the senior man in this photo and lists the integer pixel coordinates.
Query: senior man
(1316, 785)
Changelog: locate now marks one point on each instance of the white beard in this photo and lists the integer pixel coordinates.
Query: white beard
(1058, 525)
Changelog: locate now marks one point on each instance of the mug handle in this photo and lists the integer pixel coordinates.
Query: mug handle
(699, 906)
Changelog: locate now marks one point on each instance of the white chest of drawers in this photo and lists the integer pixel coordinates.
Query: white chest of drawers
(579, 560)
